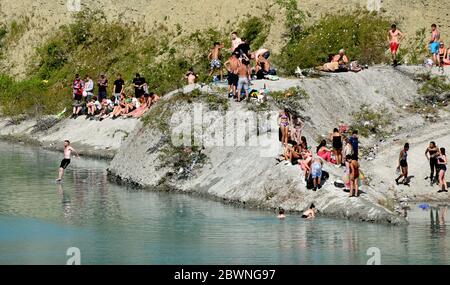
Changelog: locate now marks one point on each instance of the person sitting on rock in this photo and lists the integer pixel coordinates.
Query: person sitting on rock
(191, 77)
(342, 60)
(323, 152)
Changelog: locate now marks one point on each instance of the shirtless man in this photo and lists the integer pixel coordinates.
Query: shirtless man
(232, 65)
(310, 213)
(261, 52)
(214, 57)
(394, 36)
(341, 59)
(434, 43)
(244, 79)
(262, 65)
(191, 77)
(66, 161)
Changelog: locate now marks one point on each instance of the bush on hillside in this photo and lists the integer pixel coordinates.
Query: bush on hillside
(255, 30)
(362, 34)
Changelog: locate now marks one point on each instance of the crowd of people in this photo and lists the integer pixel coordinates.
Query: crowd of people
(242, 66)
(437, 159)
(118, 104)
(343, 153)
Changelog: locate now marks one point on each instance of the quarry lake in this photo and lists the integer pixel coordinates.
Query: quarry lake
(111, 224)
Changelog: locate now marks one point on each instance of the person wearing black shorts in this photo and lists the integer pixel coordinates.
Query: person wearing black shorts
(66, 161)
(403, 165)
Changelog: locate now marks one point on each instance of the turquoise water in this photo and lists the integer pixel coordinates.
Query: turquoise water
(112, 224)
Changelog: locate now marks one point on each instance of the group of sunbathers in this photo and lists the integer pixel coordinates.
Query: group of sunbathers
(119, 104)
(344, 152)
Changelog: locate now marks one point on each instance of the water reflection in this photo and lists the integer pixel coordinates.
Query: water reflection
(114, 224)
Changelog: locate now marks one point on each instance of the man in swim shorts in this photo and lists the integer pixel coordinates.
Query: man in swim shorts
(244, 79)
(434, 43)
(316, 173)
(232, 65)
(66, 161)
(214, 57)
(394, 42)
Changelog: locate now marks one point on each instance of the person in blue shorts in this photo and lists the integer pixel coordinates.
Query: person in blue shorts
(434, 43)
(316, 173)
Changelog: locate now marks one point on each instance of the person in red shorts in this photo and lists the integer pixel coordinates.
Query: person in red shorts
(395, 36)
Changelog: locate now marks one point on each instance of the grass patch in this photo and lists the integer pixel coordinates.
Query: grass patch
(362, 34)
(435, 93)
(291, 98)
(371, 122)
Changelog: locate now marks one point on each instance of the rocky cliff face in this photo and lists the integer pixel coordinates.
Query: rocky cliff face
(250, 174)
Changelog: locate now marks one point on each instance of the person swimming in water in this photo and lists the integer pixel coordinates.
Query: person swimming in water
(66, 161)
(310, 213)
(281, 215)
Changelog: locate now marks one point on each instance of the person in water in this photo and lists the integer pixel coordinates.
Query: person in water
(432, 153)
(310, 213)
(395, 36)
(403, 165)
(66, 161)
(442, 162)
(281, 215)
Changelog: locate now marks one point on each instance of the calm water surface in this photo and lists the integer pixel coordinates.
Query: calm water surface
(112, 224)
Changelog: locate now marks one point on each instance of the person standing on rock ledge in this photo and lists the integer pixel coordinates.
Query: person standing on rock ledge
(403, 164)
(432, 153)
(395, 36)
(66, 161)
(442, 166)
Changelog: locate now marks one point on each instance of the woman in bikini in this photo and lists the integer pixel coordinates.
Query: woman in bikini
(442, 165)
(305, 164)
(284, 126)
(354, 177)
(442, 52)
(336, 138)
(297, 129)
(403, 164)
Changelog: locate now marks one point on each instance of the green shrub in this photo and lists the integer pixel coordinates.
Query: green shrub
(255, 30)
(294, 22)
(371, 122)
(27, 97)
(362, 34)
(291, 98)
